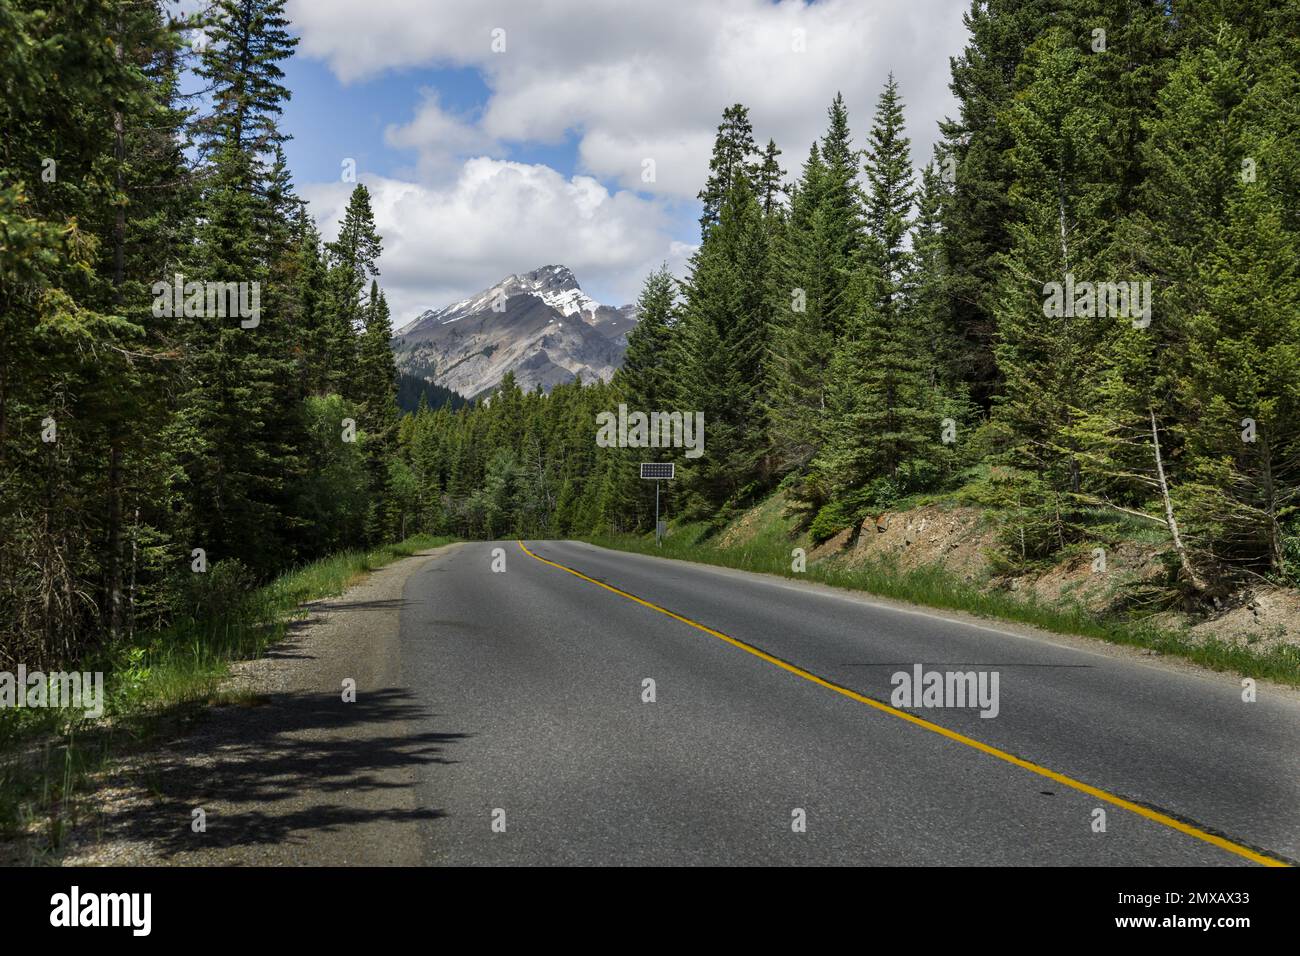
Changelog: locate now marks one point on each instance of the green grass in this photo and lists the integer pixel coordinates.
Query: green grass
(160, 680)
(767, 549)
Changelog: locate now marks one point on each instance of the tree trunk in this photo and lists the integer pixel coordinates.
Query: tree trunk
(1184, 559)
(113, 565)
(1275, 550)
(113, 570)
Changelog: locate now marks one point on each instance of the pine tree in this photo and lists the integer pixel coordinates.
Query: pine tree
(318, 332)
(240, 426)
(247, 39)
(985, 78)
(723, 339)
(375, 386)
(644, 383)
(647, 364)
(769, 180)
(91, 186)
(1222, 234)
(353, 259)
(808, 291)
(731, 162)
(839, 199)
(1068, 226)
(889, 203)
(930, 279)
(814, 259)
(884, 437)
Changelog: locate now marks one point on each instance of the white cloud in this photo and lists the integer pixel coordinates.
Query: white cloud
(498, 217)
(650, 80)
(629, 82)
(440, 138)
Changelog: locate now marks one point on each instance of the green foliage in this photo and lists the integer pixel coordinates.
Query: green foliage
(132, 433)
(721, 343)
(864, 347)
(860, 338)
(883, 438)
(812, 265)
(833, 518)
(730, 164)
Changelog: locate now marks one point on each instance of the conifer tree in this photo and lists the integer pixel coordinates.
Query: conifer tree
(647, 365)
(769, 180)
(239, 427)
(353, 259)
(376, 390)
(645, 384)
(884, 435)
(723, 339)
(733, 149)
(808, 290)
(985, 78)
(1067, 227)
(1220, 234)
(839, 199)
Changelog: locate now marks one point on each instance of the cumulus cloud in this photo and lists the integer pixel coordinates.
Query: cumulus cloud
(641, 81)
(440, 138)
(499, 217)
(628, 82)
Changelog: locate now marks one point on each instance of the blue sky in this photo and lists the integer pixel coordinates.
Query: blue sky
(497, 136)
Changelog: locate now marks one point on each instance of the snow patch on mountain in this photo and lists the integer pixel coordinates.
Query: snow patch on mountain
(525, 333)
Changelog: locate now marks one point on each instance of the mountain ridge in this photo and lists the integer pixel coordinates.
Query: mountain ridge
(539, 324)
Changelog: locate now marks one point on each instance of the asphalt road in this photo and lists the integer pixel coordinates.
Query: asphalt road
(779, 712)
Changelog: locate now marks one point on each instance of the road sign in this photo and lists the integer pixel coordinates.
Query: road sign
(658, 471)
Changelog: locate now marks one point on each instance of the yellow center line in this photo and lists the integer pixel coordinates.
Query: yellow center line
(1154, 815)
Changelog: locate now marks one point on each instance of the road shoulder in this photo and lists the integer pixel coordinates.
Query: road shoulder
(293, 774)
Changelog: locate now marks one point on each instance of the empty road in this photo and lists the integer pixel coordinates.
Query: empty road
(770, 739)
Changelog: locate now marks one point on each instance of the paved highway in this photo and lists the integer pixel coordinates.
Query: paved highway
(771, 740)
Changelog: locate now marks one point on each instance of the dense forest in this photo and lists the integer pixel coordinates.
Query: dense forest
(143, 439)
(1086, 307)
(854, 332)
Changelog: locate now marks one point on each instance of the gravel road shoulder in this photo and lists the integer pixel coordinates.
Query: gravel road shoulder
(291, 775)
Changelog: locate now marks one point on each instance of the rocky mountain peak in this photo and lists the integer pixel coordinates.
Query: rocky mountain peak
(550, 331)
(549, 279)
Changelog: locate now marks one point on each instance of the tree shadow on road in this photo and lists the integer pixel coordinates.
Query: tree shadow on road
(282, 769)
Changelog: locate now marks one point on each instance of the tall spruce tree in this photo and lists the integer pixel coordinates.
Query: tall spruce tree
(809, 269)
(733, 149)
(353, 258)
(375, 387)
(1068, 228)
(884, 439)
(238, 428)
(723, 338)
(769, 179)
(645, 383)
(985, 78)
(1221, 234)
(647, 363)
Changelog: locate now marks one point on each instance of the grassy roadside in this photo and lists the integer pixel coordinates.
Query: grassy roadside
(161, 680)
(769, 552)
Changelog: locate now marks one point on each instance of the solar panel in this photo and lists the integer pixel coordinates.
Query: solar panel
(658, 470)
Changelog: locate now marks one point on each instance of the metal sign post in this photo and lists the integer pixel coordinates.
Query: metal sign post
(657, 472)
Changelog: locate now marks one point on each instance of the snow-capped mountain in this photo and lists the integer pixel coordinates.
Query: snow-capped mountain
(548, 332)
